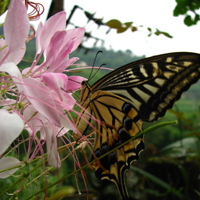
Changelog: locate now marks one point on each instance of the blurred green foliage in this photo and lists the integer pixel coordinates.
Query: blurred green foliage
(190, 9)
(122, 27)
(4, 6)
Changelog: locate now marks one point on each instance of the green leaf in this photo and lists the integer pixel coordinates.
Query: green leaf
(4, 6)
(128, 24)
(181, 8)
(197, 18)
(158, 32)
(197, 192)
(166, 34)
(149, 29)
(184, 174)
(152, 192)
(189, 146)
(121, 29)
(188, 20)
(158, 181)
(134, 29)
(114, 23)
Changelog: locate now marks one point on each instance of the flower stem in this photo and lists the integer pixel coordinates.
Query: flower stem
(133, 138)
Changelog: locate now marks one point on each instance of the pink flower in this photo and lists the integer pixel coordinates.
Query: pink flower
(11, 124)
(40, 90)
(50, 99)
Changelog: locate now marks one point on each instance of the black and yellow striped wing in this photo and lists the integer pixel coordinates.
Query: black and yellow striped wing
(120, 122)
(153, 84)
(140, 91)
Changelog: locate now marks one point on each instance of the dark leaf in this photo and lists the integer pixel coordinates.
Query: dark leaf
(197, 18)
(134, 29)
(158, 32)
(149, 29)
(114, 23)
(128, 24)
(188, 20)
(121, 29)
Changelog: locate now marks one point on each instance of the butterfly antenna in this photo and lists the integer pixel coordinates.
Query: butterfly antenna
(93, 64)
(97, 71)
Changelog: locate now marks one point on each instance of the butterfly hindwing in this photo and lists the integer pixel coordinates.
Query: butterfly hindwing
(120, 122)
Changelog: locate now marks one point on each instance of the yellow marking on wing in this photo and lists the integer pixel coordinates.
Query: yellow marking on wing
(132, 113)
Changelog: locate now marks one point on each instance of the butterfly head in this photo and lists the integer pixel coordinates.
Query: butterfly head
(83, 83)
(85, 91)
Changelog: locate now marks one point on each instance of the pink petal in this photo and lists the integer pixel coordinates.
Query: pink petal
(64, 52)
(56, 82)
(68, 100)
(35, 119)
(72, 39)
(61, 45)
(74, 83)
(54, 47)
(13, 70)
(77, 33)
(52, 152)
(26, 70)
(62, 131)
(62, 66)
(16, 56)
(6, 163)
(16, 26)
(67, 124)
(11, 126)
(55, 23)
(38, 44)
(40, 97)
(4, 51)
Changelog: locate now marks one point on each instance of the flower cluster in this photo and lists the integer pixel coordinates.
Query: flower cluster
(38, 97)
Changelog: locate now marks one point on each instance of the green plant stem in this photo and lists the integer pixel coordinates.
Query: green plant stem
(3, 46)
(11, 186)
(133, 138)
(62, 149)
(26, 174)
(5, 170)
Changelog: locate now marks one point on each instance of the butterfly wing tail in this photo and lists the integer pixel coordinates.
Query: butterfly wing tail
(113, 166)
(126, 124)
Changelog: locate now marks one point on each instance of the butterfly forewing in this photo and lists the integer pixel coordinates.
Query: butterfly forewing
(152, 85)
(140, 91)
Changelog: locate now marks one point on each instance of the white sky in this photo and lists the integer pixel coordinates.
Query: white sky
(149, 13)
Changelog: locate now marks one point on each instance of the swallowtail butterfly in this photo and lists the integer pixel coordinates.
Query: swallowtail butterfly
(139, 91)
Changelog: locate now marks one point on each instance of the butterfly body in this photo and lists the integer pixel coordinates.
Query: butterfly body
(140, 91)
